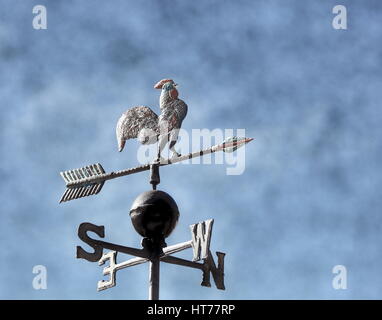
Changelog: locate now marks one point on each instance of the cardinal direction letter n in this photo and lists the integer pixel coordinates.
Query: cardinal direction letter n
(217, 272)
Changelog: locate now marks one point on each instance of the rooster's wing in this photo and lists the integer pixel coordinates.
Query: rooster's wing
(138, 122)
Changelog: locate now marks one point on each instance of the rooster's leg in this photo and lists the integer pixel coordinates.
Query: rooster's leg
(173, 139)
(172, 148)
(162, 141)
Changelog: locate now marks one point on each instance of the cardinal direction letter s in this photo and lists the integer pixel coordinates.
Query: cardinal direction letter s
(82, 234)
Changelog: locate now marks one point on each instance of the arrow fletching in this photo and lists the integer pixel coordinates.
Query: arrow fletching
(71, 176)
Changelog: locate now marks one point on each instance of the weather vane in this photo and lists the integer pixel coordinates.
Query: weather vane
(154, 214)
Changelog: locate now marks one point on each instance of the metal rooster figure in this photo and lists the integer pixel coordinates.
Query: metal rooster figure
(144, 124)
(154, 214)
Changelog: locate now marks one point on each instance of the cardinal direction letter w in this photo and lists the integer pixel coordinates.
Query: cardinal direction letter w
(201, 238)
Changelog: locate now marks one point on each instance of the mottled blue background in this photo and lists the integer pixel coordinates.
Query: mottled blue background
(310, 197)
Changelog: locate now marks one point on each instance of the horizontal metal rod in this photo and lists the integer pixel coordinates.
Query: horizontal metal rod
(177, 247)
(139, 260)
(130, 263)
(165, 162)
(182, 262)
(127, 250)
(107, 176)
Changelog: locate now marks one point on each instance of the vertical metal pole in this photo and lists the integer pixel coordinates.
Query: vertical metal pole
(154, 279)
(154, 175)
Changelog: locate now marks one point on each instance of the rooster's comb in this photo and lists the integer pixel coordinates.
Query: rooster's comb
(160, 84)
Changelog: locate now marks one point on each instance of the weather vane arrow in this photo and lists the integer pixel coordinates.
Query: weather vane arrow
(89, 180)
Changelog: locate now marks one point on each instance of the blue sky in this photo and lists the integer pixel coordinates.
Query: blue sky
(310, 95)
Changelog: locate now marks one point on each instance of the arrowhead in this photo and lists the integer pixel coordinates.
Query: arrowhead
(231, 144)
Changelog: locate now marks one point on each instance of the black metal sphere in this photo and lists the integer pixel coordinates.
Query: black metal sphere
(154, 214)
